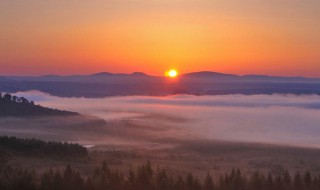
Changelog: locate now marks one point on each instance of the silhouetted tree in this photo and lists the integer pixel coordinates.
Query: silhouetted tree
(16, 179)
(14, 98)
(269, 182)
(144, 177)
(24, 100)
(104, 178)
(89, 184)
(307, 180)
(297, 181)
(208, 183)
(287, 180)
(57, 181)
(162, 180)
(256, 181)
(278, 183)
(179, 184)
(7, 97)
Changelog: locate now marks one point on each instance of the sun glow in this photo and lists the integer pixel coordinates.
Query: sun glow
(171, 73)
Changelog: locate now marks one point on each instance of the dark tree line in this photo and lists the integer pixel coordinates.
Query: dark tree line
(10, 98)
(146, 178)
(36, 147)
(20, 106)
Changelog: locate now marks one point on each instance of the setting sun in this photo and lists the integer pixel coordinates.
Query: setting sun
(172, 73)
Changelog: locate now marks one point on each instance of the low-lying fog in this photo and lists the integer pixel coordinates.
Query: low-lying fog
(276, 119)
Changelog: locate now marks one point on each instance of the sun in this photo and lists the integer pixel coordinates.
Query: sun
(172, 73)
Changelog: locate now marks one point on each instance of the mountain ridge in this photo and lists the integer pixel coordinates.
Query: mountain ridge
(137, 73)
(105, 84)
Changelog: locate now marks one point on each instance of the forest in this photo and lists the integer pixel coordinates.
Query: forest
(145, 177)
(13, 106)
(34, 147)
(138, 177)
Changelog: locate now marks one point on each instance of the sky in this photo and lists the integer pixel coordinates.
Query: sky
(274, 37)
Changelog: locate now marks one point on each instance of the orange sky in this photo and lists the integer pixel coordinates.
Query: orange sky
(275, 37)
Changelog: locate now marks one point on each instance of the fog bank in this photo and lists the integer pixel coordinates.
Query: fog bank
(275, 119)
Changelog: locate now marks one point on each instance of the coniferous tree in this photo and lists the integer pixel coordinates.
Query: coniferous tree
(179, 184)
(269, 182)
(89, 184)
(208, 182)
(104, 178)
(307, 180)
(7, 97)
(144, 177)
(287, 180)
(278, 183)
(57, 180)
(256, 181)
(162, 180)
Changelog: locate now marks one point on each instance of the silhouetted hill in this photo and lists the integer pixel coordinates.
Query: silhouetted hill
(19, 106)
(139, 74)
(198, 83)
(209, 74)
(101, 74)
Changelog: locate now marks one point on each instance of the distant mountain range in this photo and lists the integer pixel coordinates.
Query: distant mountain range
(138, 83)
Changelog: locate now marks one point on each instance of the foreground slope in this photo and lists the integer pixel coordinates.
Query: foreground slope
(19, 106)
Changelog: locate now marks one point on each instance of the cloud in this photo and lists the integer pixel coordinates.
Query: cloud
(273, 119)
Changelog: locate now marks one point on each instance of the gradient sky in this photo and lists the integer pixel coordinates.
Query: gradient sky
(275, 37)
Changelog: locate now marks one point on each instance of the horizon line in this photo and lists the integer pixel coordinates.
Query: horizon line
(143, 73)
